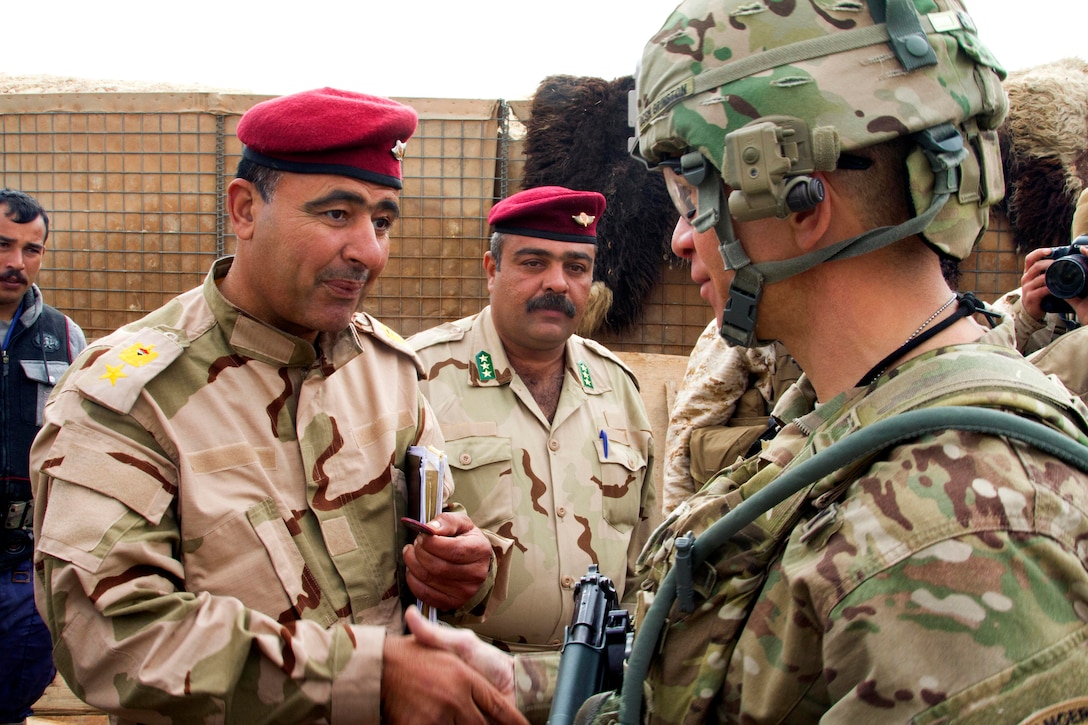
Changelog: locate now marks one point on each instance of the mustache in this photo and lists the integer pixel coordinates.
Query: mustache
(350, 273)
(13, 276)
(552, 301)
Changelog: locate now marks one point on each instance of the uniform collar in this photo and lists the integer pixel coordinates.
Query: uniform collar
(258, 340)
(489, 365)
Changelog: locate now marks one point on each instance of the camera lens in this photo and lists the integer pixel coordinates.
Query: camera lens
(1068, 277)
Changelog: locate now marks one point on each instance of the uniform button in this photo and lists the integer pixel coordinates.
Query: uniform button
(561, 512)
(553, 444)
(465, 459)
(568, 582)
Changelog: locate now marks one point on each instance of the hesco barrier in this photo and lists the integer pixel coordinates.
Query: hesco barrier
(134, 184)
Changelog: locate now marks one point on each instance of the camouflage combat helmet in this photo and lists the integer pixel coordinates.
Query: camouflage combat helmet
(768, 91)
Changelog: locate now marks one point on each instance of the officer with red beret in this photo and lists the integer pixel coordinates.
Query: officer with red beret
(546, 431)
(219, 484)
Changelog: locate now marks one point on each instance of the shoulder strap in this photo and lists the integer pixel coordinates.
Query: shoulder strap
(378, 330)
(863, 443)
(117, 375)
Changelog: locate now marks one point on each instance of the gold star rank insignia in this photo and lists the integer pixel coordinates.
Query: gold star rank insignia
(138, 355)
(583, 219)
(587, 379)
(398, 150)
(485, 369)
(113, 372)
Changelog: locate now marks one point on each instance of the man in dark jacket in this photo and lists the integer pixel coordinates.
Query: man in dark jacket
(38, 344)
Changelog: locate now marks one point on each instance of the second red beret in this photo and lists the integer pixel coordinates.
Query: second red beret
(550, 212)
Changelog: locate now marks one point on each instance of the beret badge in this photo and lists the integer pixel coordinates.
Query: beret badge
(583, 219)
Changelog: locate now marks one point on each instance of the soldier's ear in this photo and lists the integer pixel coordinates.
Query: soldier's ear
(490, 266)
(241, 198)
(810, 226)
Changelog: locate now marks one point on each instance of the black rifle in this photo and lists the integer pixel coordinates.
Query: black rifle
(594, 647)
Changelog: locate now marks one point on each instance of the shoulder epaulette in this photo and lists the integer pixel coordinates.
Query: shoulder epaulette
(372, 326)
(446, 332)
(116, 377)
(607, 354)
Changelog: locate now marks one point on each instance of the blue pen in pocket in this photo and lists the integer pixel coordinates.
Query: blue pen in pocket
(604, 442)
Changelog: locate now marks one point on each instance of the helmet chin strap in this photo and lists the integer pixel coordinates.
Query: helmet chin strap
(738, 324)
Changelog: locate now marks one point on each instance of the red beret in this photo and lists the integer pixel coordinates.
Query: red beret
(549, 212)
(327, 131)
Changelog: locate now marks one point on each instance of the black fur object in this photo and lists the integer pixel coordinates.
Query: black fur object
(577, 137)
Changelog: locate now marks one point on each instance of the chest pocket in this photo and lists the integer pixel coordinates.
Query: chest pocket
(622, 474)
(43, 375)
(483, 481)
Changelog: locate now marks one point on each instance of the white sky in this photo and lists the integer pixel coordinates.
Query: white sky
(406, 48)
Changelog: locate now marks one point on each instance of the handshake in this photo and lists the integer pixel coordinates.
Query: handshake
(597, 642)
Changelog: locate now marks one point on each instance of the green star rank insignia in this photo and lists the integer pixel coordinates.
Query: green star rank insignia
(583, 370)
(485, 369)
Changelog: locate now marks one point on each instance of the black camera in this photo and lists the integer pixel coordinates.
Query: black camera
(1067, 277)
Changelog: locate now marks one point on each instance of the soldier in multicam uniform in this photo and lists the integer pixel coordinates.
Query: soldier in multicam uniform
(829, 150)
(218, 484)
(547, 435)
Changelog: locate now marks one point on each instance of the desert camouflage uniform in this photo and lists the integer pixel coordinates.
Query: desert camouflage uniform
(961, 554)
(1033, 335)
(721, 408)
(220, 542)
(551, 490)
(1057, 345)
(1065, 359)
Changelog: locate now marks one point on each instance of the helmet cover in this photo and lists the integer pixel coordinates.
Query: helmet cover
(869, 71)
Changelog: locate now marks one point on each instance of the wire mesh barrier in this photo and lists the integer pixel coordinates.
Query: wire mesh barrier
(135, 184)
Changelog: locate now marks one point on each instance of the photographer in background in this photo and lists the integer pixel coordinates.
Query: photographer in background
(1040, 317)
(1049, 322)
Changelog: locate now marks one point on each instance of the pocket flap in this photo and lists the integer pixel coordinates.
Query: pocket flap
(46, 372)
(114, 467)
(619, 451)
(475, 451)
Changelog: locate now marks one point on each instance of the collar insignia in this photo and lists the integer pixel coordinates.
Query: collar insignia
(583, 371)
(485, 368)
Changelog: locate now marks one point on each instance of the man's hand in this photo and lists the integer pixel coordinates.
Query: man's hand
(446, 570)
(425, 685)
(1033, 285)
(491, 662)
(1033, 282)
